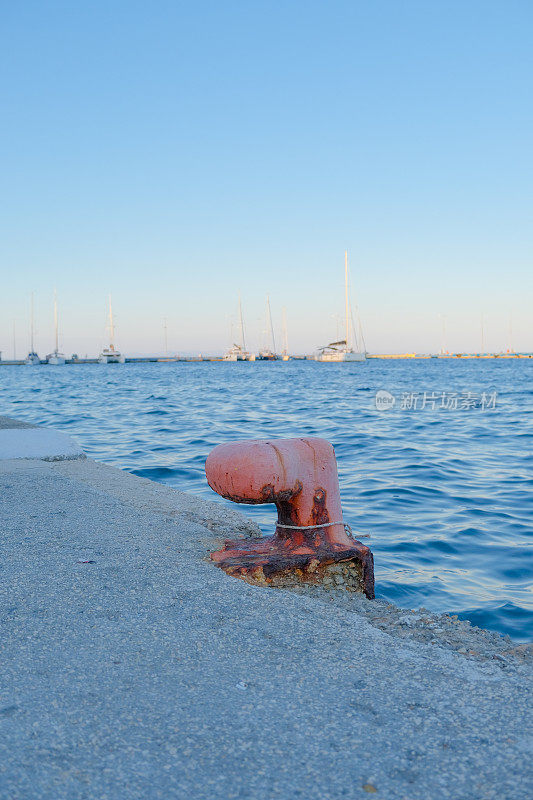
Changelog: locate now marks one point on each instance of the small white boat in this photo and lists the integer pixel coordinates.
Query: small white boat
(238, 352)
(32, 359)
(56, 358)
(351, 348)
(110, 355)
(337, 351)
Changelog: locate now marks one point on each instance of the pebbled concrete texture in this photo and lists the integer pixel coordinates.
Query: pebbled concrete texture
(131, 667)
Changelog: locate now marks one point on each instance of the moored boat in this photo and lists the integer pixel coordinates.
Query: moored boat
(351, 348)
(338, 351)
(268, 353)
(110, 355)
(56, 358)
(238, 352)
(32, 359)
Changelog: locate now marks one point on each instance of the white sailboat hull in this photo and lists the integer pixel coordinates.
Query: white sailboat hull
(342, 350)
(32, 360)
(56, 360)
(342, 356)
(238, 353)
(109, 355)
(111, 358)
(249, 357)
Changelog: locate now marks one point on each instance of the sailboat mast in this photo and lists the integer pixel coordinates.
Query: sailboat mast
(285, 335)
(165, 332)
(55, 321)
(243, 341)
(111, 326)
(346, 297)
(31, 323)
(271, 325)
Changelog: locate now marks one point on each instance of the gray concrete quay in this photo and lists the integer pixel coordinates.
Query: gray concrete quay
(132, 668)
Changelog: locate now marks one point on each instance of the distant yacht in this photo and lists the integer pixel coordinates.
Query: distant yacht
(56, 358)
(238, 352)
(267, 354)
(32, 359)
(110, 355)
(347, 349)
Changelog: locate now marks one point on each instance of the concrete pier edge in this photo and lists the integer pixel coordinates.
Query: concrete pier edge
(132, 667)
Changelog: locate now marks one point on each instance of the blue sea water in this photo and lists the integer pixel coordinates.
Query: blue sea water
(446, 494)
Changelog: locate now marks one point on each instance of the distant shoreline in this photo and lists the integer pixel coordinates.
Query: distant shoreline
(202, 359)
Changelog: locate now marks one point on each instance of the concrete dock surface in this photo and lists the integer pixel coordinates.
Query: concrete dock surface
(131, 667)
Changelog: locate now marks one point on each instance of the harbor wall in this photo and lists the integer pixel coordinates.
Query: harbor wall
(133, 667)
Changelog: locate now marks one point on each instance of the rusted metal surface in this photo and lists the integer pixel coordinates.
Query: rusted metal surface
(300, 477)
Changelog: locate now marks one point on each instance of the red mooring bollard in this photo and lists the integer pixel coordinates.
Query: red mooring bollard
(311, 543)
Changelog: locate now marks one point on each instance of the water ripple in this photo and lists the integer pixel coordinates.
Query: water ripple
(445, 496)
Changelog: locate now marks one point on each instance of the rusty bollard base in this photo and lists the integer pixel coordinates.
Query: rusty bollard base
(311, 543)
(270, 561)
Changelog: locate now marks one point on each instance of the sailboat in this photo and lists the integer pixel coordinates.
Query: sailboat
(56, 358)
(238, 352)
(266, 354)
(32, 359)
(110, 355)
(285, 352)
(347, 349)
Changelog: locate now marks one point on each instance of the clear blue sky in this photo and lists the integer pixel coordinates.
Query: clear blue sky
(176, 153)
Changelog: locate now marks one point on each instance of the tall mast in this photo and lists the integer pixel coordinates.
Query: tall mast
(31, 323)
(55, 321)
(243, 341)
(346, 297)
(111, 326)
(165, 330)
(285, 335)
(443, 338)
(269, 314)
